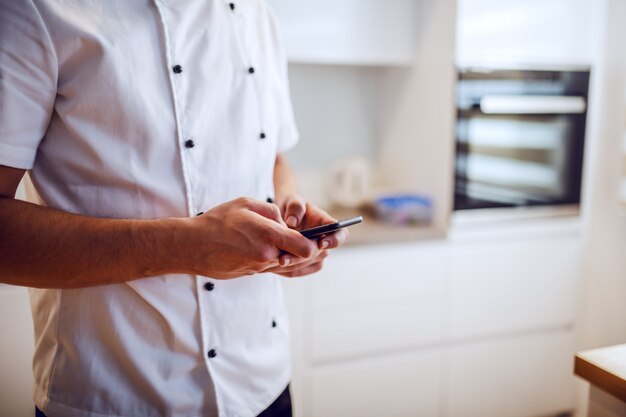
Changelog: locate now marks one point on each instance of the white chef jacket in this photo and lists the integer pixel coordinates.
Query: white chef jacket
(147, 109)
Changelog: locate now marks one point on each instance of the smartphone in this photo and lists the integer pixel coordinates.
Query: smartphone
(330, 228)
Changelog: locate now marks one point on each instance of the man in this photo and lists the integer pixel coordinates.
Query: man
(153, 133)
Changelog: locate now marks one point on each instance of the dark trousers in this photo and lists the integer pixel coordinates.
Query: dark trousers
(279, 408)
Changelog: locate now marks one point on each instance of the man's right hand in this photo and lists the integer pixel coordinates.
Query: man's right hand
(241, 237)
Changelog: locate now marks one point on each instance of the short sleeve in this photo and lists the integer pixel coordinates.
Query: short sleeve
(288, 134)
(28, 80)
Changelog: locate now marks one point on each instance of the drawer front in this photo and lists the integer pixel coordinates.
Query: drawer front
(377, 299)
(506, 287)
(515, 377)
(404, 385)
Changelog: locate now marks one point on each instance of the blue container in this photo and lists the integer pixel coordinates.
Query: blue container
(404, 209)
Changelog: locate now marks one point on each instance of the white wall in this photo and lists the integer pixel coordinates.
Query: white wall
(337, 113)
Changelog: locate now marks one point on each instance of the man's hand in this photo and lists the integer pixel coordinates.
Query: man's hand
(298, 214)
(244, 237)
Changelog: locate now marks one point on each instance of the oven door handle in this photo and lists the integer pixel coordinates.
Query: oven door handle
(495, 104)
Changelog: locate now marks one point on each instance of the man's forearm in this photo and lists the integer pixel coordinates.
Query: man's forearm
(46, 248)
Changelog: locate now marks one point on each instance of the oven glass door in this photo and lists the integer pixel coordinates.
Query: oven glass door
(519, 137)
(516, 159)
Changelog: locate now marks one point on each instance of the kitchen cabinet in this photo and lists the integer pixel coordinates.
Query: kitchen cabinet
(526, 33)
(528, 283)
(481, 323)
(361, 32)
(405, 385)
(382, 328)
(377, 299)
(522, 376)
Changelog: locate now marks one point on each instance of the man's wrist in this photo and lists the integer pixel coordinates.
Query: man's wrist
(168, 245)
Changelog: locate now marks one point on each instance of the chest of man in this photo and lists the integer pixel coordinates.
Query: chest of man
(161, 102)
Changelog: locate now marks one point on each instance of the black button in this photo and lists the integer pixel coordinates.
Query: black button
(189, 143)
(274, 324)
(200, 213)
(232, 6)
(209, 286)
(270, 200)
(212, 353)
(251, 70)
(177, 69)
(262, 135)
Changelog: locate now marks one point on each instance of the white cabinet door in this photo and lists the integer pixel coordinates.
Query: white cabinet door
(526, 32)
(377, 32)
(513, 285)
(376, 299)
(531, 375)
(404, 385)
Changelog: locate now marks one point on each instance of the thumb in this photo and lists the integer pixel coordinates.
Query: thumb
(294, 210)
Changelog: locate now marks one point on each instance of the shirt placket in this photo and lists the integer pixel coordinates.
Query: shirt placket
(253, 71)
(207, 288)
(175, 72)
(186, 145)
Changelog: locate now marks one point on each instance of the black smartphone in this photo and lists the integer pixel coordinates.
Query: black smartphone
(330, 228)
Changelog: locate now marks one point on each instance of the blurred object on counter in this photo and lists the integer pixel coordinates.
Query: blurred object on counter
(349, 182)
(403, 208)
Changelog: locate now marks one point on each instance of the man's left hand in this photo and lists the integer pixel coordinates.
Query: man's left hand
(299, 214)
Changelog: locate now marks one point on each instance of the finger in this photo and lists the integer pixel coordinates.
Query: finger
(294, 210)
(316, 267)
(268, 266)
(297, 264)
(287, 259)
(267, 210)
(334, 240)
(294, 243)
(285, 270)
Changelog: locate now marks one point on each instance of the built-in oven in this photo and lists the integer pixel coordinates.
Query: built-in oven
(519, 137)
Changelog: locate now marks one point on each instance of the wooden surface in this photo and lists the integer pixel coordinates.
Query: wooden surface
(604, 368)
